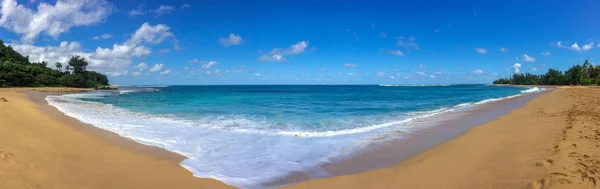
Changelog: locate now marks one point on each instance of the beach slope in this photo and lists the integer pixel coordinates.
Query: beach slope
(552, 142)
(43, 150)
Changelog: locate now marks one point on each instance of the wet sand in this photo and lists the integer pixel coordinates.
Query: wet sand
(41, 148)
(551, 142)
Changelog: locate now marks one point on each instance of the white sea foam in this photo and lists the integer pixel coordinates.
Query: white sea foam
(237, 150)
(532, 89)
(137, 90)
(237, 157)
(126, 91)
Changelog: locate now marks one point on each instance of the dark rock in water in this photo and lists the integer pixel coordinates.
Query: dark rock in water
(107, 88)
(2, 99)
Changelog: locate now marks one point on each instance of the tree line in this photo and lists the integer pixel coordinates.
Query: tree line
(17, 71)
(585, 74)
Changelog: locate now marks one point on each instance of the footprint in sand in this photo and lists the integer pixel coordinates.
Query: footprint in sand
(2, 99)
(7, 157)
(539, 184)
(33, 166)
(545, 163)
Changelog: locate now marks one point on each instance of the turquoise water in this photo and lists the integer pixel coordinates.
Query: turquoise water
(248, 135)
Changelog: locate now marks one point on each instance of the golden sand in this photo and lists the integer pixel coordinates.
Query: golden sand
(38, 150)
(552, 142)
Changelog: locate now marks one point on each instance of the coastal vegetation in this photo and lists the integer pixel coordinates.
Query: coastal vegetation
(17, 71)
(586, 74)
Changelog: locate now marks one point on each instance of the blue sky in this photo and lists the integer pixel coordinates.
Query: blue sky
(306, 42)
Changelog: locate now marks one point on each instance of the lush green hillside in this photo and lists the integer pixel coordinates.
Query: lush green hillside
(585, 74)
(17, 71)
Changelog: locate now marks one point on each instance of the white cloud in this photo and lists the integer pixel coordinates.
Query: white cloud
(101, 60)
(528, 58)
(410, 44)
(380, 74)
(185, 5)
(422, 67)
(205, 64)
(164, 50)
(323, 69)
(533, 69)
(142, 66)
(383, 34)
(275, 57)
(157, 67)
(480, 50)
(257, 75)
(240, 69)
(136, 12)
(438, 73)
(396, 52)
(151, 34)
(51, 20)
(546, 53)
(136, 73)
(167, 71)
(502, 49)
(231, 40)
(111, 60)
(298, 47)
(278, 54)
(477, 72)
(103, 36)
(420, 73)
(351, 74)
(60, 53)
(576, 47)
(516, 68)
(177, 47)
(587, 47)
(348, 65)
(164, 9)
(116, 74)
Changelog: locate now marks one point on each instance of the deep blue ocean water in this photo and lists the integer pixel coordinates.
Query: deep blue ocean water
(248, 135)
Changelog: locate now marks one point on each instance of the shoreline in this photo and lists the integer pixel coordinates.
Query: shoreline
(382, 160)
(550, 142)
(376, 178)
(438, 129)
(65, 153)
(39, 98)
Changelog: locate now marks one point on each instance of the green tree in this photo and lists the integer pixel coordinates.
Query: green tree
(16, 70)
(58, 66)
(585, 74)
(78, 64)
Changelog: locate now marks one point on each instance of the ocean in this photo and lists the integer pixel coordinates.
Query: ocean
(249, 135)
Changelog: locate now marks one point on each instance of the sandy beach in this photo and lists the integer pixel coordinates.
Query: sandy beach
(551, 142)
(41, 148)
